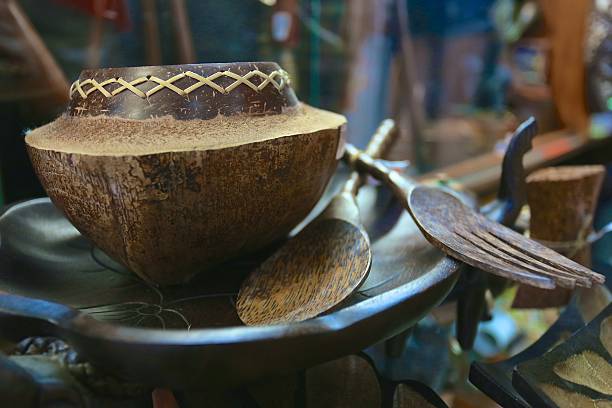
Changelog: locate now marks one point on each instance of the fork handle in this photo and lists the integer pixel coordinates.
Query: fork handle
(382, 140)
(399, 184)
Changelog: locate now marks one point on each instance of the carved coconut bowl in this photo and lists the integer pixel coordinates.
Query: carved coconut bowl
(172, 170)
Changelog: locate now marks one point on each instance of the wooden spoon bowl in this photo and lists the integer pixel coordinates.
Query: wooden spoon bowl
(320, 266)
(172, 170)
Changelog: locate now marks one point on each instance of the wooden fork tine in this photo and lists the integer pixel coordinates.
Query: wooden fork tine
(492, 264)
(542, 253)
(535, 264)
(563, 281)
(536, 250)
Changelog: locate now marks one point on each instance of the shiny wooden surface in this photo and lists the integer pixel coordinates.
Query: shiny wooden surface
(320, 266)
(464, 234)
(98, 308)
(481, 174)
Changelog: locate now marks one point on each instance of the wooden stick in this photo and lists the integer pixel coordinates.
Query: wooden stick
(566, 22)
(182, 31)
(49, 67)
(562, 202)
(96, 34)
(151, 32)
(408, 77)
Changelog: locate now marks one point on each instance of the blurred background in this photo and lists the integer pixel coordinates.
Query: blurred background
(457, 75)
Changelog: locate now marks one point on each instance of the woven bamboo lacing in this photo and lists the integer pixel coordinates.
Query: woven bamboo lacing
(279, 79)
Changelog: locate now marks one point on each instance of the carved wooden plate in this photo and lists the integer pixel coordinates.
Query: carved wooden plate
(190, 336)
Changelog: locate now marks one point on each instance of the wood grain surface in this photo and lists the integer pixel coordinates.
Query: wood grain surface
(493, 247)
(168, 212)
(171, 215)
(310, 274)
(562, 201)
(319, 267)
(470, 237)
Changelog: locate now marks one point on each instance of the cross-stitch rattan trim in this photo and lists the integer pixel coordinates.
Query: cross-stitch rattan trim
(279, 79)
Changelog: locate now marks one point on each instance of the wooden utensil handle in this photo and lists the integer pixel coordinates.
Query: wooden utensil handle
(382, 140)
(400, 185)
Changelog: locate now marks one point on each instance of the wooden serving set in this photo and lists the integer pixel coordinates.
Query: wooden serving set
(159, 176)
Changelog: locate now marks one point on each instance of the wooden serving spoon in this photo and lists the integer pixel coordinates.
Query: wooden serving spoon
(472, 238)
(319, 267)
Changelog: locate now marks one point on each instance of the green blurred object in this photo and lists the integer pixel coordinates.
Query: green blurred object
(512, 18)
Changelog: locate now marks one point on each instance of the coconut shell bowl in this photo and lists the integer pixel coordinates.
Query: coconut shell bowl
(172, 170)
(164, 172)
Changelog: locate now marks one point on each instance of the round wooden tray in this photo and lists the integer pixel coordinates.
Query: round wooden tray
(56, 283)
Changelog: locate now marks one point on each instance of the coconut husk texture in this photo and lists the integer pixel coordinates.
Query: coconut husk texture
(171, 198)
(562, 201)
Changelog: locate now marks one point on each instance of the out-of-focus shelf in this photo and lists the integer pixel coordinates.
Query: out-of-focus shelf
(481, 174)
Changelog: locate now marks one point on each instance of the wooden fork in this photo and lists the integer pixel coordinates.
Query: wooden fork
(472, 238)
